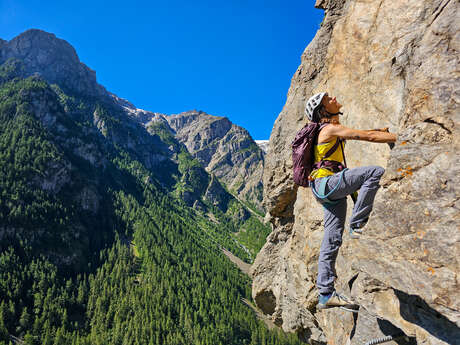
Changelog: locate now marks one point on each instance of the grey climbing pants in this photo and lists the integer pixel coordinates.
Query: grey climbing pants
(364, 179)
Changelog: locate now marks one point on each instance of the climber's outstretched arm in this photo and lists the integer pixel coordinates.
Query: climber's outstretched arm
(376, 136)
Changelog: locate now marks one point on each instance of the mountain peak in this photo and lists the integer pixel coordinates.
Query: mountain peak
(37, 34)
(54, 59)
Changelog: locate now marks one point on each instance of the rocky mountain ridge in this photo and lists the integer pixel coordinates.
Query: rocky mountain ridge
(36, 52)
(224, 149)
(394, 65)
(53, 58)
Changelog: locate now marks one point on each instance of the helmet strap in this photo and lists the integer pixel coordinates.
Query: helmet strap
(328, 114)
(333, 114)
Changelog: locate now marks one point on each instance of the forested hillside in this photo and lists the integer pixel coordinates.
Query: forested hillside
(98, 244)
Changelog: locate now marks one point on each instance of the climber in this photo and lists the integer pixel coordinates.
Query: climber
(332, 182)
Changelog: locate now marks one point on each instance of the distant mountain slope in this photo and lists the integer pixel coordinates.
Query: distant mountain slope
(235, 145)
(225, 149)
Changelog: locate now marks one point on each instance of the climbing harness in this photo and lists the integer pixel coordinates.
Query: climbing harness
(321, 195)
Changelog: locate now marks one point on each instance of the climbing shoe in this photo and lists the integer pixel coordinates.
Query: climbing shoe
(356, 229)
(335, 300)
(355, 233)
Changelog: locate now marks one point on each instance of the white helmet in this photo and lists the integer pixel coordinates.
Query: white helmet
(312, 104)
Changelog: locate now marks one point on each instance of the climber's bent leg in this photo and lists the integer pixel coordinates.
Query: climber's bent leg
(364, 179)
(366, 196)
(334, 222)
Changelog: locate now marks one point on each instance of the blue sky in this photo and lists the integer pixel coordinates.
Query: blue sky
(229, 58)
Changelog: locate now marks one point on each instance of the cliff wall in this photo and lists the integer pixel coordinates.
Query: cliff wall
(392, 64)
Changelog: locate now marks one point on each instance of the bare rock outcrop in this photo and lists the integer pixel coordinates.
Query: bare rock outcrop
(392, 64)
(224, 149)
(54, 59)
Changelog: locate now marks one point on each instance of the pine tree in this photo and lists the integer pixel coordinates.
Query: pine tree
(24, 320)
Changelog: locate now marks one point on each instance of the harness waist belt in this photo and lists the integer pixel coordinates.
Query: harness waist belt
(321, 195)
(333, 166)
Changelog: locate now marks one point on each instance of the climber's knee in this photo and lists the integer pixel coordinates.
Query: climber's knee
(377, 171)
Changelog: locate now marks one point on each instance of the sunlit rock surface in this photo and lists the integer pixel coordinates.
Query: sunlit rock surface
(392, 64)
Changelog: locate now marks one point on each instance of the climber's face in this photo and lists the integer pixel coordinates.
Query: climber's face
(330, 104)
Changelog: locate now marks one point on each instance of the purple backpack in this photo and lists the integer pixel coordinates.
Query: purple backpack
(303, 156)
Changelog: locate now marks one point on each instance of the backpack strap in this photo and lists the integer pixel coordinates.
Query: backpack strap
(331, 165)
(343, 152)
(333, 148)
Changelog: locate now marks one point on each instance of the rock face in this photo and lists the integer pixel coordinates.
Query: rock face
(53, 58)
(392, 64)
(224, 149)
